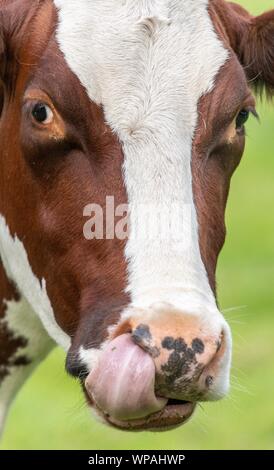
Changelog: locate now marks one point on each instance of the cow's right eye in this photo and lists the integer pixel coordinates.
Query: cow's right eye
(42, 113)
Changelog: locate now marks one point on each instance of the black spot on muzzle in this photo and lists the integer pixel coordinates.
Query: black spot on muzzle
(182, 360)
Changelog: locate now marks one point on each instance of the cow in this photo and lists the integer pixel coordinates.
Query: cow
(139, 104)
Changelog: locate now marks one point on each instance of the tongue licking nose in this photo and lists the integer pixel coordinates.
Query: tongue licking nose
(122, 383)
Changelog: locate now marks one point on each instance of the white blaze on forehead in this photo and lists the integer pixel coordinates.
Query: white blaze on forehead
(148, 63)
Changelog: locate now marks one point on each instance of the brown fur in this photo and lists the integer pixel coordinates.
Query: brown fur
(56, 177)
(9, 344)
(252, 39)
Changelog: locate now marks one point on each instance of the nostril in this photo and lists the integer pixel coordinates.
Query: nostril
(141, 335)
(143, 338)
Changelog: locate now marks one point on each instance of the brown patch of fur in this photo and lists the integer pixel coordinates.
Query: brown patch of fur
(9, 343)
(214, 159)
(58, 178)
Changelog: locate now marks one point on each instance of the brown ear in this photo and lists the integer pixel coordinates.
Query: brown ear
(252, 39)
(256, 52)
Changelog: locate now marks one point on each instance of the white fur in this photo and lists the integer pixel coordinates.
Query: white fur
(18, 269)
(148, 63)
(22, 322)
(89, 357)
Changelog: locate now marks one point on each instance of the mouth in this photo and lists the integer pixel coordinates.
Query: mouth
(121, 389)
(174, 414)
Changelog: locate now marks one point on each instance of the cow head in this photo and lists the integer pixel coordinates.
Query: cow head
(142, 104)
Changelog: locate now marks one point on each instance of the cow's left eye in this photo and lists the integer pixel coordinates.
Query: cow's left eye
(42, 113)
(242, 118)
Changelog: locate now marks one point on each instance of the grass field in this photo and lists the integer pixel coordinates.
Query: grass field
(50, 413)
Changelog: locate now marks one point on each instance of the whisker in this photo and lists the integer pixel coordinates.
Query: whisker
(232, 309)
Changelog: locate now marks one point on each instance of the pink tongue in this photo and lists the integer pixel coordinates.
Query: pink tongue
(122, 383)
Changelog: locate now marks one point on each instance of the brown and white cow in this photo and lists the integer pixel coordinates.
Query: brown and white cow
(143, 101)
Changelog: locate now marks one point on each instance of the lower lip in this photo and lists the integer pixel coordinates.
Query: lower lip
(171, 416)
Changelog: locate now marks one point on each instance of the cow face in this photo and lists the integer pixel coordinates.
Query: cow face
(144, 104)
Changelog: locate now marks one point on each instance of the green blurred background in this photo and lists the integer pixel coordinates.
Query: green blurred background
(50, 411)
